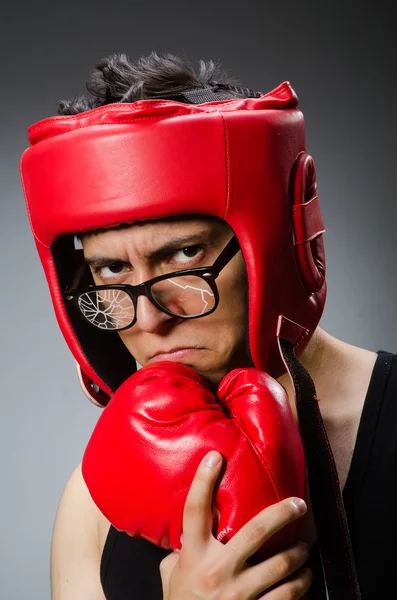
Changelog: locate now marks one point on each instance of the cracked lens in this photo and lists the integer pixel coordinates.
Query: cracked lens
(187, 295)
(108, 309)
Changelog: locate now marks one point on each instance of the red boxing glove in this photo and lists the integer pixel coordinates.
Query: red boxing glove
(145, 449)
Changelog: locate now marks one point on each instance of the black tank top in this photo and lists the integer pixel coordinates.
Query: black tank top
(130, 566)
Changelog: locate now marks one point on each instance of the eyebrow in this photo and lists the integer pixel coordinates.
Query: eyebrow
(166, 248)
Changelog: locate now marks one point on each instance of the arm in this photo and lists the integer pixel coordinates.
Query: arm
(75, 552)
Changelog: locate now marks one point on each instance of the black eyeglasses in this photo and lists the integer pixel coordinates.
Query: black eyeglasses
(187, 294)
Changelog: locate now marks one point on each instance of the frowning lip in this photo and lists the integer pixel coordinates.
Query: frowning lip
(174, 353)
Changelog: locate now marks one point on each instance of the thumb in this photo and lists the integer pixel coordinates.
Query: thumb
(167, 565)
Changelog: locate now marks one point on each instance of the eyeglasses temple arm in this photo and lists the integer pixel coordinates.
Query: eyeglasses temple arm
(227, 254)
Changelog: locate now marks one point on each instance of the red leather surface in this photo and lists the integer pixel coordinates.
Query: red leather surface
(233, 159)
(146, 447)
(308, 221)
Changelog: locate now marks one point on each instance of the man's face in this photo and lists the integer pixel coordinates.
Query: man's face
(213, 344)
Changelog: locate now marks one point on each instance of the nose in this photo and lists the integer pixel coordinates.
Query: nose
(149, 318)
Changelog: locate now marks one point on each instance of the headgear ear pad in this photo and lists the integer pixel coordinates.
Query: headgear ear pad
(242, 161)
(307, 223)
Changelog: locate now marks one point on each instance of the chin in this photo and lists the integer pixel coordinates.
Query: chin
(205, 364)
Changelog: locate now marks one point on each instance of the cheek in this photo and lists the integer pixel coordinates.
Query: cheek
(233, 297)
(225, 328)
(129, 338)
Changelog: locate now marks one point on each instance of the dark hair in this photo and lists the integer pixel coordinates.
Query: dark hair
(117, 79)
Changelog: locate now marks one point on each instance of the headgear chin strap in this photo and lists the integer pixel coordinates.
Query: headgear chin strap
(241, 160)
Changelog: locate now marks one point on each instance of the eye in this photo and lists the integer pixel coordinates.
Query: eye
(110, 270)
(188, 254)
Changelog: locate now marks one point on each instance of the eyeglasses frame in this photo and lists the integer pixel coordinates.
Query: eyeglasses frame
(209, 274)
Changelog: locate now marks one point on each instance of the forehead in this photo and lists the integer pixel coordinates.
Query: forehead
(147, 235)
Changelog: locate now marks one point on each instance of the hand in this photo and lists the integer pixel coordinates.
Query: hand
(206, 569)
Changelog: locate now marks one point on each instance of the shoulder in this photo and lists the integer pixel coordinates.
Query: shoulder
(77, 539)
(342, 392)
(77, 506)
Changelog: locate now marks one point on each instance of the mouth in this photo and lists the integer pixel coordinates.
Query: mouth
(174, 354)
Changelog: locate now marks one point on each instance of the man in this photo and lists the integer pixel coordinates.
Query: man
(213, 345)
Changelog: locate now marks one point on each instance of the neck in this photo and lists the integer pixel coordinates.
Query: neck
(325, 358)
(339, 370)
(319, 356)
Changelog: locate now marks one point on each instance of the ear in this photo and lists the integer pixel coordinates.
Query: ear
(307, 224)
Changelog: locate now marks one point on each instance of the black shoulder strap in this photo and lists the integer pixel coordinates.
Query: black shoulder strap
(326, 495)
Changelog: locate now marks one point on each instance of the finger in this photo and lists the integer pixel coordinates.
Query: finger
(167, 565)
(261, 528)
(293, 589)
(266, 574)
(197, 514)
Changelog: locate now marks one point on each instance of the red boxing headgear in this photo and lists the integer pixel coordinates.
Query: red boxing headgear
(240, 160)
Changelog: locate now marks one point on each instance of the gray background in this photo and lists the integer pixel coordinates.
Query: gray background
(340, 58)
